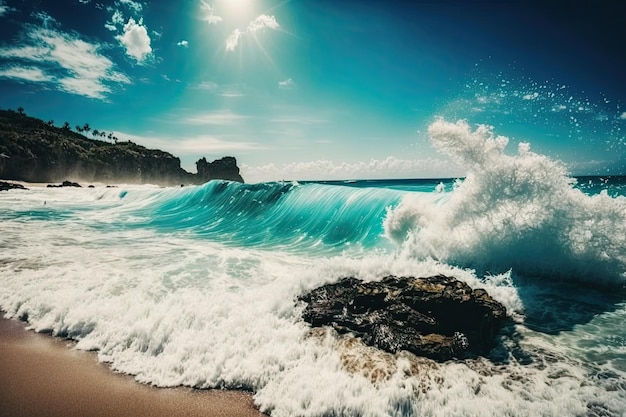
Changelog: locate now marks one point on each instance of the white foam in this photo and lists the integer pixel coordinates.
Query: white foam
(173, 309)
(519, 212)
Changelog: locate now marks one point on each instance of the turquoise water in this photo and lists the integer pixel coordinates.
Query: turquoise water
(198, 286)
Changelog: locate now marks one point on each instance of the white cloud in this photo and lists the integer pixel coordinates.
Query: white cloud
(32, 74)
(116, 20)
(287, 84)
(132, 5)
(83, 86)
(233, 40)
(207, 85)
(222, 117)
(623, 116)
(208, 13)
(132, 35)
(28, 52)
(192, 145)
(47, 21)
(212, 19)
(65, 60)
(183, 43)
(136, 40)
(261, 22)
(390, 167)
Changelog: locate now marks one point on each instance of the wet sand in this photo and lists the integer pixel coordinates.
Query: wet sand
(43, 376)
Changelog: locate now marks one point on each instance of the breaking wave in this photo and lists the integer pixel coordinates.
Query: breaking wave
(521, 212)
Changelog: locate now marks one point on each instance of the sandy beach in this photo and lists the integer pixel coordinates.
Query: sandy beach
(43, 376)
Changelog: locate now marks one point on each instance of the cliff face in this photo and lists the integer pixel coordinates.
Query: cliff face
(225, 168)
(32, 150)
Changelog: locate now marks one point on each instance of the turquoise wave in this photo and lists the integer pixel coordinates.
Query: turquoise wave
(276, 214)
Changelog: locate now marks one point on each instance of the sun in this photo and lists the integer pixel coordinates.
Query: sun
(235, 7)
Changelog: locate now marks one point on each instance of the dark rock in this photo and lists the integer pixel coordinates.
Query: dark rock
(225, 168)
(437, 317)
(65, 184)
(5, 186)
(70, 184)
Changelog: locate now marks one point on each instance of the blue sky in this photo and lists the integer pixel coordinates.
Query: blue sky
(323, 89)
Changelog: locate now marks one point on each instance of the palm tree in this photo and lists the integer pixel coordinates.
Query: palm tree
(95, 133)
(66, 126)
(86, 127)
(78, 128)
(51, 123)
(20, 110)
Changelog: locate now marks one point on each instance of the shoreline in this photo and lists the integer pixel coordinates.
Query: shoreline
(27, 184)
(83, 184)
(43, 376)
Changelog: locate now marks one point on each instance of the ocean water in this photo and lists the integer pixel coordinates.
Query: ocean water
(198, 286)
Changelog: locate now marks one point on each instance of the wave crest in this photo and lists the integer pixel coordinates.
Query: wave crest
(290, 216)
(519, 212)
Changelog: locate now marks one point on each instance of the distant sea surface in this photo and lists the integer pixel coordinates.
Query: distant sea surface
(198, 286)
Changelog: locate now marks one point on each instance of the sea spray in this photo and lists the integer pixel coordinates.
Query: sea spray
(519, 212)
(524, 107)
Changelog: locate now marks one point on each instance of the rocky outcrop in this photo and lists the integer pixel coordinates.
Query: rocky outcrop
(225, 168)
(437, 317)
(65, 184)
(34, 151)
(5, 186)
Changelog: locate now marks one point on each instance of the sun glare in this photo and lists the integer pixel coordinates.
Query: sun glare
(236, 7)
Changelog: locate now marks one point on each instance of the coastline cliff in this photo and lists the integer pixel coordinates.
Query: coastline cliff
(36, 151)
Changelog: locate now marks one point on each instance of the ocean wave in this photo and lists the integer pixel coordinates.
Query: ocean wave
(288, 215)
(521, 212)
(198, 286)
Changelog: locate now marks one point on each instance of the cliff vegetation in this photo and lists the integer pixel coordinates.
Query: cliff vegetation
(37, 151)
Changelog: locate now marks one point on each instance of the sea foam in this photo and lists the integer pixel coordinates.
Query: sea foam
(198, 286)
(521, 212)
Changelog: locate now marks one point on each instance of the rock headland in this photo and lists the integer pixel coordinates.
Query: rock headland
(36, 151)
